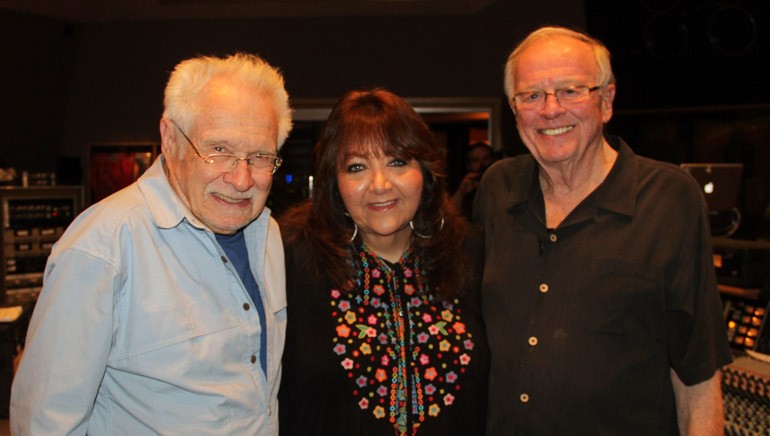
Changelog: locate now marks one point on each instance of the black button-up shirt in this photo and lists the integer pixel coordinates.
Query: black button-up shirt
(586, 320)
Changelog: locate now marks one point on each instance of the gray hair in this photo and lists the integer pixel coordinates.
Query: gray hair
(601, 54)
(190, 77)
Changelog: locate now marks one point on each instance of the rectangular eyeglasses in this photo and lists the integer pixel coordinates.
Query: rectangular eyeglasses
(258, 163)
(564, 96)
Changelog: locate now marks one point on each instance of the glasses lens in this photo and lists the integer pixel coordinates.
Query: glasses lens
(529, 99)
(220, 163)
(574, 93)
(223, 163)
(262, 164)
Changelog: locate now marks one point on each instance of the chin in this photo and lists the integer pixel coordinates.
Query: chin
(232, 226)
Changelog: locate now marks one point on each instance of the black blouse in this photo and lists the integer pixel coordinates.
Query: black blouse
(388, 357)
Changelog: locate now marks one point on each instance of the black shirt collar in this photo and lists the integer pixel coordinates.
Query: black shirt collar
(617, 193)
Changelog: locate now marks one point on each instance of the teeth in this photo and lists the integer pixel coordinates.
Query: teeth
(558, 131)
(387, 203)
(230, 199)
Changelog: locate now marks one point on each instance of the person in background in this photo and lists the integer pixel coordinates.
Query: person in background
(479, 157)
(163, 309)
(599, 293)
(385, 335)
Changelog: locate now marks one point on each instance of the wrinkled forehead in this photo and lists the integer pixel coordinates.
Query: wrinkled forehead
(236, 104)
(561, 55)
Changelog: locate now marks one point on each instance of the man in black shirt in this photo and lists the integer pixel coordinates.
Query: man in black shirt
(599, 296)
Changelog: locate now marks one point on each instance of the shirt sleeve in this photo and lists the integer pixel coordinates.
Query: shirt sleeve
(67, 347)
(697, 335)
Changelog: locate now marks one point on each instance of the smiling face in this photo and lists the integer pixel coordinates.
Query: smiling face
(234, 120)
(557, 133)
(381, 193)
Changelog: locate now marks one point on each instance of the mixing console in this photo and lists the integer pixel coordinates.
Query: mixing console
(746, 394)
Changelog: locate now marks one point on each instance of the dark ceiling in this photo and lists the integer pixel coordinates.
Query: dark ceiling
(92, 11)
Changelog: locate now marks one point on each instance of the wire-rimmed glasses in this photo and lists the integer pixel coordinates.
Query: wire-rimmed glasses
(258, 163)
(536, 98)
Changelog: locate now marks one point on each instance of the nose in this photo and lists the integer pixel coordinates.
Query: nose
(551, 104)
(240, 176)
(380, 181)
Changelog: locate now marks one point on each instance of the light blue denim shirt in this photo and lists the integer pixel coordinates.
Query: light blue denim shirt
(143, 327)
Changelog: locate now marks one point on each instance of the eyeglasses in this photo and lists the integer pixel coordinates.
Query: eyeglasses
(565, 96)
(258, 163)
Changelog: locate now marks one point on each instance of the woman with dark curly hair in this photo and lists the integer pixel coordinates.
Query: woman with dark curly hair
(384, 333)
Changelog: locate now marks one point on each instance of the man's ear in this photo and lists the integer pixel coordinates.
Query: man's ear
(608, 97)
(168, 135)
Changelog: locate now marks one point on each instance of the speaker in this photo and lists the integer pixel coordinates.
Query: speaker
(685, 53)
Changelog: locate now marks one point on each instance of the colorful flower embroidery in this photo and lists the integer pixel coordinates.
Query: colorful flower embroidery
(451, 377)
(392, 336)
(449, 399)
(434, 410)
(409, 290)
(350, 317)
(459, 327)
(343, 331)
(447, 316)
(361, 381)
(444, 345)
(431, 374)
(380, 375)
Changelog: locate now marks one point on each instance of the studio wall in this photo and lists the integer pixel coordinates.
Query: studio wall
(109, 82)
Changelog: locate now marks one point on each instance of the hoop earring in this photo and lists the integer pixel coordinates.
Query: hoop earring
(411, 226)
(355, 232)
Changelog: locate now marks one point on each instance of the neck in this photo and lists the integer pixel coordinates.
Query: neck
(389, 247)
(580, 177)
(566, 185)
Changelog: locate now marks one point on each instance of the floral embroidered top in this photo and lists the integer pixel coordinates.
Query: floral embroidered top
(388, 357)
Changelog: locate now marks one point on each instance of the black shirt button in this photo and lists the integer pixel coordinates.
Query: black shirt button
(253, 359)
(246, 306)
